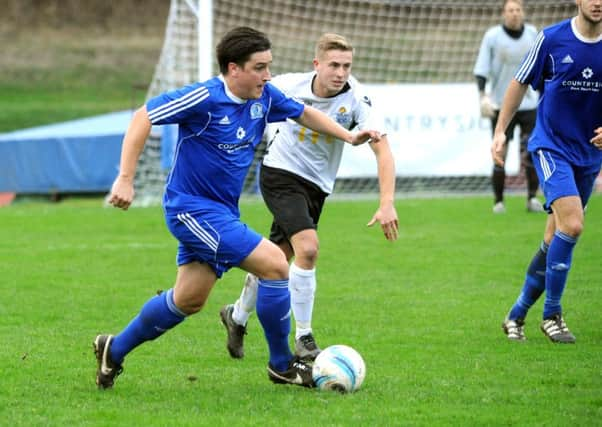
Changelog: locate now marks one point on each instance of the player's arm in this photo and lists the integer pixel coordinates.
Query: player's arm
(485, 103)
(512, 99)
(386, 215)
(122, 191)
(597, 139)
(482, 70)
(322, 123)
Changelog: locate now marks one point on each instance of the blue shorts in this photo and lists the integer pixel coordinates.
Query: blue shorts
(559, 178)
(212, 235)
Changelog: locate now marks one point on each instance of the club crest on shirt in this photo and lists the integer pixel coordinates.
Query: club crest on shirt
(256, 111)
(343, 117)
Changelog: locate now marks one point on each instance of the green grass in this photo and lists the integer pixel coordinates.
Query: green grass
(65, 95)
(57, 75)
(425, 313)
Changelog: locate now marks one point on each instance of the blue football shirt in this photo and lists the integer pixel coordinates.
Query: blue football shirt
(217, 136)
(567, 68)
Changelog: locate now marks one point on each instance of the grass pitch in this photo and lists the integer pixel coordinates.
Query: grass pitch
(425, 313)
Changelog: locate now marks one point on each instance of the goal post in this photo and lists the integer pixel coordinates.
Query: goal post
(406, 46)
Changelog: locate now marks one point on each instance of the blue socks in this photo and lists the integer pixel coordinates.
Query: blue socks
(274, 313)
(158, 315)
(559, 258)
(548, 271)
(535, 284)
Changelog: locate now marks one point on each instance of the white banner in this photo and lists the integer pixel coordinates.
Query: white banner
(433, 129)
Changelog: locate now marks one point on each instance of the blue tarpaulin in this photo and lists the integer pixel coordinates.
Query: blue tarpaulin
(75, 156)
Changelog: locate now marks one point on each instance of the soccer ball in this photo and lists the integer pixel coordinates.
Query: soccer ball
(339, 368)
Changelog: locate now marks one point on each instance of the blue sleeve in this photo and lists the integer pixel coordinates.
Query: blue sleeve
(180, 105)
(282, 107)
(532, 69)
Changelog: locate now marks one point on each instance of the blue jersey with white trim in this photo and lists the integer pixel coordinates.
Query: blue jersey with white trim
(217, 136)
(567, 68)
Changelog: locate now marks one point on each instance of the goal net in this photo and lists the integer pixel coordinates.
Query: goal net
(426, 47)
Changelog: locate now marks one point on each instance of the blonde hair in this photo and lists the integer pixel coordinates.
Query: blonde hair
(332, 41)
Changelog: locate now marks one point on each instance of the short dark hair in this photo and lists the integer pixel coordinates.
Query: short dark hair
(505, 2)
(238, 45)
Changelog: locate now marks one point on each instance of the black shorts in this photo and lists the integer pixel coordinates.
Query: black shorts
(525, 119)
(295, 202)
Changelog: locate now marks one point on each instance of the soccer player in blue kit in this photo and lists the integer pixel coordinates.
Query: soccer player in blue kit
(565, 64)
(221, 121)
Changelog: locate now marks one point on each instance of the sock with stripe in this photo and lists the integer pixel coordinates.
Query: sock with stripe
(558, 265)
(535, 284)
(157, 316)
(274, 313)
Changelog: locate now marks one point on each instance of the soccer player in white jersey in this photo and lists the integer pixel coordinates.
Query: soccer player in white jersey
(502, 50)
(221, 121)
(296, 177)
(565, 64)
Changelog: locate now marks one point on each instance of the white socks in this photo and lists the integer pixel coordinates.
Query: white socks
(245, 305)
(302, 285)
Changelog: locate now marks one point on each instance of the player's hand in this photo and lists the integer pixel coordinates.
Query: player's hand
(487, 109)
(497, 148)
(122, 193)
(387, 218)
(364, 136)
(597, 139)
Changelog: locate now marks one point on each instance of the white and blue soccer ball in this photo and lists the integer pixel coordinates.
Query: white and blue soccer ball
(339, 368)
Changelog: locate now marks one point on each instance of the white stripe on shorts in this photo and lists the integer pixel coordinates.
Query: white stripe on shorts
(545, 166)
(198, 231)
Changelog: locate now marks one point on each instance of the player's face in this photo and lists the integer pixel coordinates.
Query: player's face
(513, 15)
(591, 10)
(333, 68)
(250, 79)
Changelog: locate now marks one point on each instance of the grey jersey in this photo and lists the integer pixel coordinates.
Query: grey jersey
(499, 58)
(307, 153)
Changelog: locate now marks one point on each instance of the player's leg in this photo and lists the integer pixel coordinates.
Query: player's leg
(533, 287)
(568, 213)
(269, 264)
(568, 189)
(297, 205)
(526, 120)
(239, 312)
(235, 316)
(158, 315)
(199, 266)
(302, 283)
(535, 283)
(498, 177)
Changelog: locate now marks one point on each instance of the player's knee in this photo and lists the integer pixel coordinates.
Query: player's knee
(307, 255)
(275, 268)
(573, 227)
(190, 305)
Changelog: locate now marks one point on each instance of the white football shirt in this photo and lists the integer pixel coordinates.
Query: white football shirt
(499, 58)
(304, 152)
